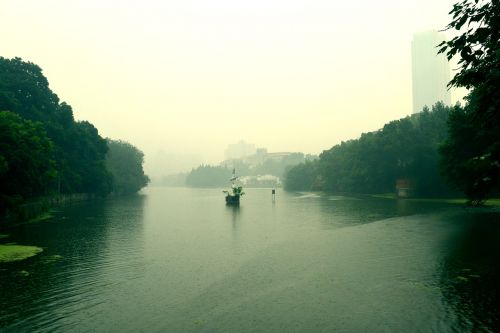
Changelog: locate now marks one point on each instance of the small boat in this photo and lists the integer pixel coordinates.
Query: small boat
(233, 195)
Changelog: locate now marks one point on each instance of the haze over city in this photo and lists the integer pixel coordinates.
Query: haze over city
(183, 79)
(249, 166)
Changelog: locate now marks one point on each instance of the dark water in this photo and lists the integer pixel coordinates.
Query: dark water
(179, 260)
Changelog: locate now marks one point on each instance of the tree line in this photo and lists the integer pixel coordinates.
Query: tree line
(438, 151)
(44, 151)
(212, 176)
(405, 149)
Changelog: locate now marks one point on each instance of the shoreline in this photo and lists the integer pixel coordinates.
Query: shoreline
(493, 202)
(38, 209)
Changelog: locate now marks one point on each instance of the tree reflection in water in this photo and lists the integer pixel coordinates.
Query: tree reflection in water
(471, 273)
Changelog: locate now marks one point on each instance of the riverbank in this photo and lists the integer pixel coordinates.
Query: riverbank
(39, 208)
(494, 202)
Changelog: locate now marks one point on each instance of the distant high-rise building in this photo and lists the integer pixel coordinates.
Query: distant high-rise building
(430, 71)
(239, 150)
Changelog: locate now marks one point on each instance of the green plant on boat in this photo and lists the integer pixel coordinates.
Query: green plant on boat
(235, 191)
(238, 190)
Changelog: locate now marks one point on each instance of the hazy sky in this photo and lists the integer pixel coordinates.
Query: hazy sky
(189, 77)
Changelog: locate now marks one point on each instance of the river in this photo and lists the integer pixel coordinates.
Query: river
(179, 260)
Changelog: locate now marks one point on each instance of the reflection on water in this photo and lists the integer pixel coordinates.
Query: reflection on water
(180, 260)
(234, 212)
(83, 246)
(471, 273)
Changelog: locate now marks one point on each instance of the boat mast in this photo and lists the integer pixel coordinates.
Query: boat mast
(234, 177)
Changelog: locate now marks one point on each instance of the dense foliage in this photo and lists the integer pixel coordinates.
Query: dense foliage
(302, 176)
(79, 151)
(471, 154)
(43, 150)
(208, 176)
(405, 149)
(27, 167)
(124, 161)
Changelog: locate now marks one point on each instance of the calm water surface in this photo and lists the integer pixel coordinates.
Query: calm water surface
(179, 260)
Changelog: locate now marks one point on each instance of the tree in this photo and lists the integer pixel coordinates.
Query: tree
(404, 149)
(208, 176)
(471, 153)
(86, 159)
(460, 162)
(300, 177)
(478, 45)
(124, 161)
(78, 149)
(26, 159)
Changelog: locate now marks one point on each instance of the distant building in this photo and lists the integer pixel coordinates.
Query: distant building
(261, 181)
(257, 158)
(430, 71)
(239, 150)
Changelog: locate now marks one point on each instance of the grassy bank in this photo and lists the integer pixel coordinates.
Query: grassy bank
(12, 252)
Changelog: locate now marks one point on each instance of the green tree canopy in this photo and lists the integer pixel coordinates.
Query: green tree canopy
(79, 151)
(402, 149)
(26, 159)
(208, 176)
(124, 161)
(471, 154)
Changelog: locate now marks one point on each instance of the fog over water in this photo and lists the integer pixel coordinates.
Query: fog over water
(187, 78)
(214, 213)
